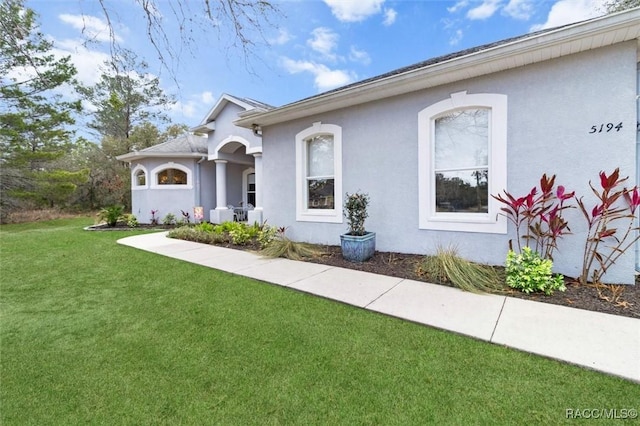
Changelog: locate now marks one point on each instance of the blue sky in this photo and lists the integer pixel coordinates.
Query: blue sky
(316, 46)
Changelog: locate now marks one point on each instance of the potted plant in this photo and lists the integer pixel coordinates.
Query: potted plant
(357, 245)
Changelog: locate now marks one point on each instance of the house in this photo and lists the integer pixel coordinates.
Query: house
(217, 172)
(431, 142)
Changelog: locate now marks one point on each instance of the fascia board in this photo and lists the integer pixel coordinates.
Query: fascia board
(134, 156)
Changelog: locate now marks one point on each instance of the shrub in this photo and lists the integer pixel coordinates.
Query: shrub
(131, 220)
(193, 234)
(266, 235)
(204, 227)
(612, 225)
(537, 216)
(281, 246)
(447, 267)
(154, 218)
(111, 215)
(169, 219)
(355, 211)
(530, 273)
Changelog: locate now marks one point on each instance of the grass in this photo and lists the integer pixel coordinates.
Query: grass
(93, 332)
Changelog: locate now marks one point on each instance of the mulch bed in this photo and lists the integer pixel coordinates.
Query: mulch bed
(403, 265)
(576, 296)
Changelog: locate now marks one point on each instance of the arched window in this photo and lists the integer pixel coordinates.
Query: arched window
(139, 177)
(172, 176)
(319, 174)
(462, 160)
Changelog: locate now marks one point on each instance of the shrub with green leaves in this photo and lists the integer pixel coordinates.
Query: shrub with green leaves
(266, 235)
(169, 219)
(111, 215)
(132, 221)
(530, 273)
(204, 227)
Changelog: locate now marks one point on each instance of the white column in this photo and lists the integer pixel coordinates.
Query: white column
(255, 215)
(221, 184)
(221, 212)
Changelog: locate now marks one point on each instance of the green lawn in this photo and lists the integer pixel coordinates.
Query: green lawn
(93, 332)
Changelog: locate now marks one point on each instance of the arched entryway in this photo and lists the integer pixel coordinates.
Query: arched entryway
(238, 181)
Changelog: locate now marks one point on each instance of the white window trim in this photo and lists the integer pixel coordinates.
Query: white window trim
(171, 165)
(134, 181)
(303, 213)
(491, 222)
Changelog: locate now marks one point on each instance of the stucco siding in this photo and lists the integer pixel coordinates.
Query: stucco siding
(551, 109)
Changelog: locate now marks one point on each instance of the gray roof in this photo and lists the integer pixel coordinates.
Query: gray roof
(185, 144)
(436, 60)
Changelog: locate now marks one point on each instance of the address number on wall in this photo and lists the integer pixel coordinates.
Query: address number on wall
(605, 127)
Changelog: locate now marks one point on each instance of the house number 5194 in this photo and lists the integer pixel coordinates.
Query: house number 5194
(605, 127)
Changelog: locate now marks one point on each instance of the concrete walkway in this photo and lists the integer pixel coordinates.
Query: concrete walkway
(602, 342)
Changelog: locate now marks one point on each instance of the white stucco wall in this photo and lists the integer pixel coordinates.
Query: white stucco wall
(551, 108)
(171, 200)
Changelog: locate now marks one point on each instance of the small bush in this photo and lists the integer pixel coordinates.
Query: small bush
(447, 267)
(530, 273)
(169, 219)
(266, 235)
(192, 234)
(204, 227)
(281, 246)
(111, 214)
(131, 220)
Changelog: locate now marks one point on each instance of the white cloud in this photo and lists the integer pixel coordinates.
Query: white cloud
(390, 16)
(86, 61)
(455, 39)
(324, 77)
(283, 37)
(458, 6)
(324, 41)
(360, 56)
(207, 98)
(354, 10)
(484, 11)
(519, 9)
(568, 11)
(93, 28)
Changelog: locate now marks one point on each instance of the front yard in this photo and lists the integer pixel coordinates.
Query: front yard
(93, 332)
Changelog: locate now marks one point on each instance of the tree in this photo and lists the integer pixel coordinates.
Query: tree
(34, 117)
(620, 5)
(243, 20)
(126, 96)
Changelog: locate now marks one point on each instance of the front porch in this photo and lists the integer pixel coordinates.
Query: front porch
(238, 182)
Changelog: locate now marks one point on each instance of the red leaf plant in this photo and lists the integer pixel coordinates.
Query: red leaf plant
(606, 243)
(537, 216)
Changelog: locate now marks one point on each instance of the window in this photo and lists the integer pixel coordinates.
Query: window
(462, 160)
(171, 176)
(319, 174)
(139, 177)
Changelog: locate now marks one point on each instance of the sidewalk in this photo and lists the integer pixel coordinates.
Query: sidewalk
(602, 342)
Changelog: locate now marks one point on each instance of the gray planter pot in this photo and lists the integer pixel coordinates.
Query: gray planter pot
(358, 248)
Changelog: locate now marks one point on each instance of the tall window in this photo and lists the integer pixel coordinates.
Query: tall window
(139, 177)
(462, 160)
(461, 169)
(320, 176)
(319, 173)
